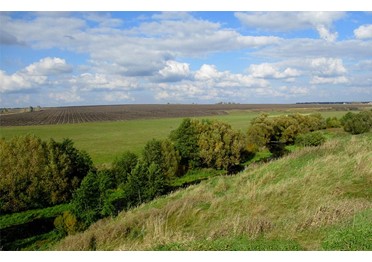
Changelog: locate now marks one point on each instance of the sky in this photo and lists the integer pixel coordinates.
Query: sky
(141, 57)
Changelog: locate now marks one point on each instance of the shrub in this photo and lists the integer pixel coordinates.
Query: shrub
(220, 146)
(333, 122)
(358, 123)
(310, 139)
(36, 174)
(276, 132)
(66, 224)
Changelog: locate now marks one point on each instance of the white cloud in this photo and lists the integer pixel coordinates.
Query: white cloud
(89, 82)
(210, 84)
(117, 96)
(266, 70)
(35, 74)
(174, 71)
(68, 96)
(327, 66)
(329, 80)
(325, 33)
(48, 66)
(289, 21)
(160, 40)
(363, 32)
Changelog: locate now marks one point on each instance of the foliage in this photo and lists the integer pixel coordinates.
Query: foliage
(358, 123)
(220, 146)
(333, 122)
(185, 139)
(36, 174)
(310, 139)
(164, 155)
(276, 132)
(346, 117)
(123, 166)
(205, 143)
(66, 224)
(90, 200)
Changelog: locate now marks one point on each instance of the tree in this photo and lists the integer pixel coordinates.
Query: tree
(23, 161)
(185, 139)
(36, 174)
(123, 166)
(87, 200)
(358, 123)
(219, 145)
(276, 132)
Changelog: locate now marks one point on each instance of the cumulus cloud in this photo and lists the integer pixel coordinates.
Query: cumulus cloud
(174, 71)
(327, 66)
(89, 82)
(117, 96)
(329, 80)
(69, 96)
(161, 40)
(289, 21)
(208, 83)
(363, 32)
(35, 74)
(266, 70)
(313, 48)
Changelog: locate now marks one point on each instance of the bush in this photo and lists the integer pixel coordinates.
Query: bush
(36, 174)
(358, 123)
(220, 146)
(310, 139)
(333, 122)
(66, 224)
(276, 132)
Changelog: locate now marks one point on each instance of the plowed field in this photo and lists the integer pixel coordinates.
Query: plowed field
(81, 114)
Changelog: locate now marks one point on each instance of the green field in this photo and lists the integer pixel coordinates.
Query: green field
(104, 141)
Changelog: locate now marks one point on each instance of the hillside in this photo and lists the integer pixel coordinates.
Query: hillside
(312, 199)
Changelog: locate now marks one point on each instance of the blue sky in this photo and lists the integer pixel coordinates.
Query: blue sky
(86, 58)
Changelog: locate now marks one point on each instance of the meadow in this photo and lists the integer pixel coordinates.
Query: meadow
(316, 198)
(104, 141)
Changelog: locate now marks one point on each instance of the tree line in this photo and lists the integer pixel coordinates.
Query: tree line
(36, 174)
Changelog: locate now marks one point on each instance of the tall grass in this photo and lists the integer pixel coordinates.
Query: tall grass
(300, 201)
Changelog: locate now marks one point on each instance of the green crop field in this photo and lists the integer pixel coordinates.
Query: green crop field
(104, 141)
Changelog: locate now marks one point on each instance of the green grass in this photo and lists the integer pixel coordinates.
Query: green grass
(27, 216)
(104, 141)
(315, 198)
(195, 176)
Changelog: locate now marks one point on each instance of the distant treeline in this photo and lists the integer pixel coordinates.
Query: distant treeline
(333, 103)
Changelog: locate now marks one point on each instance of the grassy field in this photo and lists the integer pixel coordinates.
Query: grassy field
(106, 140)
(312, 199)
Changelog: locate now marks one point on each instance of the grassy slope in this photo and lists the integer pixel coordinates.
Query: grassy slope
(106, 140)
(312, 199)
